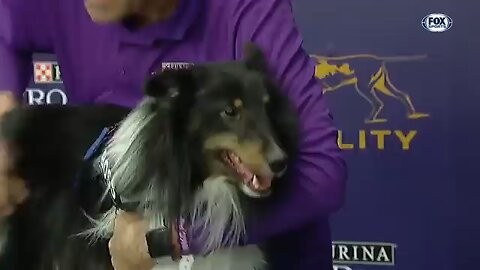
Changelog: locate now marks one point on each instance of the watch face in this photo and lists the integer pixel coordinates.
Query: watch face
(159, 242)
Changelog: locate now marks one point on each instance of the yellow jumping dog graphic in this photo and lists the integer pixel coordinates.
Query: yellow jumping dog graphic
(367, 85)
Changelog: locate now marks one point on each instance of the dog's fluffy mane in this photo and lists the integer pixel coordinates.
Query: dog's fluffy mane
(138, 146)
(147, 161)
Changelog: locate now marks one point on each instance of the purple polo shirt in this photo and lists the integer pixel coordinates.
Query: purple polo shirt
(108, 64)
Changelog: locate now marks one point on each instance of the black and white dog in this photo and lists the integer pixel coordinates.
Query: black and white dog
(208, 144)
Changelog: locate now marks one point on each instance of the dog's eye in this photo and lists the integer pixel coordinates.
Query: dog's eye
(230, 112)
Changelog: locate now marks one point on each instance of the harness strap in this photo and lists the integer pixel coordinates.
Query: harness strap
(90, 155)
(97, 144)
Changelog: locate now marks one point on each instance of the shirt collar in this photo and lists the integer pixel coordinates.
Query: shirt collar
(173, 28)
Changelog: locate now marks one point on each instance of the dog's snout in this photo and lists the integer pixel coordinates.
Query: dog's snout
(278, 166)
(277, 159)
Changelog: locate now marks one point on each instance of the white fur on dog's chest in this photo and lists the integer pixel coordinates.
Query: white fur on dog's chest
(240, 258)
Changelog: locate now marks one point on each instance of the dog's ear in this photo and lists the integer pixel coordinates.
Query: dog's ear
(254, 58)
(170, 83)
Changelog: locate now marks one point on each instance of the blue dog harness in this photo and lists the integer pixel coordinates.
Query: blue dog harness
(97, 150)
(104, 136)
(90, 157)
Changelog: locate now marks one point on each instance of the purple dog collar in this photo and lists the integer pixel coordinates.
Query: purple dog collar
(182, 237)
(186, 258)
(169, 241)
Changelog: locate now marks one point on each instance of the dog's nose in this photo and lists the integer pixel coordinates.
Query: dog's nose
(278, 166)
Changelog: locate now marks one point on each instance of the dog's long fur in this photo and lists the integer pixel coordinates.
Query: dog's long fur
(162, 157)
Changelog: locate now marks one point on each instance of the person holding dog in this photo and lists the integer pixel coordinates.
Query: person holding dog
(107, 47)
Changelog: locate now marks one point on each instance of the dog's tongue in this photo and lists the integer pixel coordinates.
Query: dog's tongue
(255, 182)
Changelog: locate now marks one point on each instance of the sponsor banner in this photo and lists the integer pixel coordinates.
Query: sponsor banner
(348, 254)
(35, 96)
(375, 86)
(387, 80)
(47, 85)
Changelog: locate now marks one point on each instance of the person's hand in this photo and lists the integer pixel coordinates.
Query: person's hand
(12, 189)
(128, 245)
(7, 102)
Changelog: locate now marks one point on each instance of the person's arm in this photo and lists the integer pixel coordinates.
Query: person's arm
(24, 28)
(319, 176)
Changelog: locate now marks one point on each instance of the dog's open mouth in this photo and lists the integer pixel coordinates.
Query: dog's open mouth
(252, 184)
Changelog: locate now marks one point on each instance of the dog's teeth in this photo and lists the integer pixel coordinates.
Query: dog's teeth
(255, 182)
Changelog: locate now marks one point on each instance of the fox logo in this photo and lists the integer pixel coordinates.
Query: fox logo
(337, 72)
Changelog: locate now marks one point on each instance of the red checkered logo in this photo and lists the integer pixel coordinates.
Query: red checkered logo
(43, 72)
(46, 72)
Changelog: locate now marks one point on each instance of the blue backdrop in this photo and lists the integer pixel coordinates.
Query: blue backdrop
(393, 89)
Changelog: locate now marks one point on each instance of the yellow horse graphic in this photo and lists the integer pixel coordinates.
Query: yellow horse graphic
(366, 84)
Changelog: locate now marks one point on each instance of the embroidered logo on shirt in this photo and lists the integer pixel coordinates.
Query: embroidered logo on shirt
(46, 72)
(175, 65)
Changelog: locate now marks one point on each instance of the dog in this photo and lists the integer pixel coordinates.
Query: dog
(209, 144)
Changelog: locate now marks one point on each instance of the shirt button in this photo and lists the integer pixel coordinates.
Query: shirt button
(123, 71)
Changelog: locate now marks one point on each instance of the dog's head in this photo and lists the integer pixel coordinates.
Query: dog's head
(227, 119)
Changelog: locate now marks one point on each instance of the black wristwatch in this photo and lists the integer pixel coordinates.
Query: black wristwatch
(159, 242)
